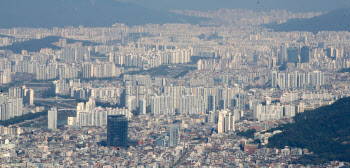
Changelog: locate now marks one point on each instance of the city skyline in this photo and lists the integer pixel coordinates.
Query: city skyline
(210, 85)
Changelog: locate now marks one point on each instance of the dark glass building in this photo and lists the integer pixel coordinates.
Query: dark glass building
(240, 102)
(293, 55)
(211, 103)
(305, 54)
(222, 104)
(117, 131)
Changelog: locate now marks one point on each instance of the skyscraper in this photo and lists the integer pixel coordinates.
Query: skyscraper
(131, 103)
(293, 55)
(283, 56)
(15, 92)
(174, 135)
(222, 104)
(52, 118)
(226, 121)
(229, 121)
(143, 106)
(241, 101)
(117, 131)
(213, 117)
(237, 114)
(315, 78)
(5, 76)
(304, 54)
(282, 80)
(111, 57)
(221, 123)
(330, 52)
(211, 103)
(162, 105)
(274, 78)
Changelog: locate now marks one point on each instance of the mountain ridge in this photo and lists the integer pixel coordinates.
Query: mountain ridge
(337, 20)
(61, 13)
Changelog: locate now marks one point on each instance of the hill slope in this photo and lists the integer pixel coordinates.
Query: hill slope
(337, 20)
(265, 5)
(35, 45)
(325, 131)
(91, 13)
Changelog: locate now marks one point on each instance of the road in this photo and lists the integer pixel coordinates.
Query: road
(53, 99)
(182, 158)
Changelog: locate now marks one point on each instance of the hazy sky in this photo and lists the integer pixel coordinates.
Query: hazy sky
(48, 13)
(294, 5)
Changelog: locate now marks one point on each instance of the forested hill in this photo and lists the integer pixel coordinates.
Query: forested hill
(325, 131)
(337, 20)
